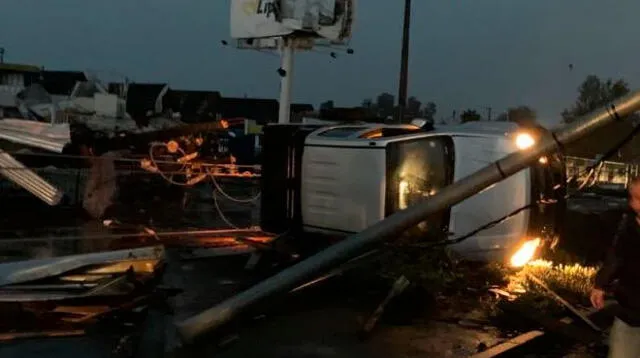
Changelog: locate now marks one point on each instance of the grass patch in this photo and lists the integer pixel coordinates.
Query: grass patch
(461, 286)
(440, 271)
(571, 281)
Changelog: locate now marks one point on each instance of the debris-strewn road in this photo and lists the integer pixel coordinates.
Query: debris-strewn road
(318, 322)
(324, 321)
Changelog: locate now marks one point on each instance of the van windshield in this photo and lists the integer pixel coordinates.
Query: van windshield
(418, 169)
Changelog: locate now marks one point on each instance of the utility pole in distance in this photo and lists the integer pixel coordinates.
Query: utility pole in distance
(404, 62)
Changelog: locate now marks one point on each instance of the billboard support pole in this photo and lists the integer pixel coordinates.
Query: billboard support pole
(287, 52)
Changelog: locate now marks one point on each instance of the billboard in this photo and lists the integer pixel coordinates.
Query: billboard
(328, 19)
(256, 18)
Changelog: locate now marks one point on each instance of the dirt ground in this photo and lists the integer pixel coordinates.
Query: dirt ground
(324, 321)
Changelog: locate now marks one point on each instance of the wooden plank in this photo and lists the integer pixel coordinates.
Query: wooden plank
(515, 342)
(577, 333)
(81, 310)
(564, 302)
(528, 337)
(398, 287)
(508, 345)
(41, 334)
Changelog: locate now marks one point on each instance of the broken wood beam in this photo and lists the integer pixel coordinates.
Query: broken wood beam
(564, 302)
(398, 287)
(531, 336)
(41, 334)
(509, 344)
(577, 333)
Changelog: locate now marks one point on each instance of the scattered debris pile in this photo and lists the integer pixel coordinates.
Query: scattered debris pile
(514, 304)
(68, 295)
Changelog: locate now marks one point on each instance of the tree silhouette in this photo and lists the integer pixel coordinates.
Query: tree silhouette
(429, 111)
(385, 107)
(470, 115)
(413, 106)
(594, 93)
(327, 105)
(385, 104)
(523, 115)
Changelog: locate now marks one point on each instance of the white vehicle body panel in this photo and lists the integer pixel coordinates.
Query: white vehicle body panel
(344, 183)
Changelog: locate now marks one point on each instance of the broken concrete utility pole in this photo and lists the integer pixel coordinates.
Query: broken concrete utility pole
(29, 180)
(398, 222)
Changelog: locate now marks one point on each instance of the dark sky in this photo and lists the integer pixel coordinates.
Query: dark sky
(479, 53)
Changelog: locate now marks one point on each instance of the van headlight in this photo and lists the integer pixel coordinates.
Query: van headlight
(525, 253)
(524, 141)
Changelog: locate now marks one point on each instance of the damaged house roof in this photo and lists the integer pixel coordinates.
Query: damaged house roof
(18, 67)
(61, 82)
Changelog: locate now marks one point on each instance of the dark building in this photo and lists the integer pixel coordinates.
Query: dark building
(61, 83)
(145, 98)
(349, 115)
(301, 108)
(194, 106)
(261, 110)
(299, 111)
(117, 88)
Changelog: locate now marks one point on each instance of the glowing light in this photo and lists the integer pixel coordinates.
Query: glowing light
(524, 141)
(403, 190)
(543, 160)
(173, 146)
(525, 253)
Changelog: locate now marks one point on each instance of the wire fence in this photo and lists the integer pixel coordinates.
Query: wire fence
(609, 173)
(73, 182)
(223, 203)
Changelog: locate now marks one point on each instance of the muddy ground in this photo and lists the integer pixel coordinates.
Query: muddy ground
(322, 321)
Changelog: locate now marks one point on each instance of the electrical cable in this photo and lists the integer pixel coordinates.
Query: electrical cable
(129, 160)
(221, 213)
(168, 176)
(73, 171)
(229, 197)
(158, 170)
(218, 188)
